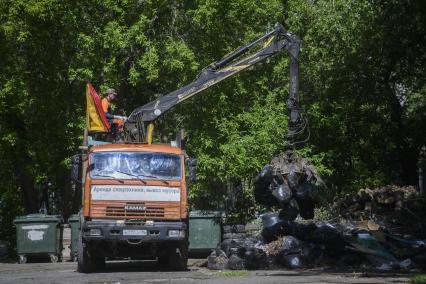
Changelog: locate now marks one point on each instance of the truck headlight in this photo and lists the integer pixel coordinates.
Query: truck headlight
(177, 233)
(95, 232)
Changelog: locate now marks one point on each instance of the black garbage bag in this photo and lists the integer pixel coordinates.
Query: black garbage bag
(263, 195)
(420, 259)
(270, 234)
(272, 227)
(299, 231)
(262, 191)
(282, 193)
(266, 173)
(217, 260)
(306, 207)
(297, 257)
(255, 258)
(328, 236)
(233, 246)
(264, 178)
(291, 244)
(303, 191)
(250, 242)
(236, 263)
(291, 261)
(270, 219)
(289, 211)
(294, 177)
(304, 198)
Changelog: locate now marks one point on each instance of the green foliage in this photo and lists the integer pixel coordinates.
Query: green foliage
(418, 278)
(363, 87)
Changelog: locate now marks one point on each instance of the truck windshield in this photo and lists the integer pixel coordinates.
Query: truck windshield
(131, 165)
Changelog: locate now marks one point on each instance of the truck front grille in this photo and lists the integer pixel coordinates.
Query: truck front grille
(134, 211)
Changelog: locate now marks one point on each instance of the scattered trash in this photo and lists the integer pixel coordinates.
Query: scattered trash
(236, 263)
(362, 237)
(399, 209)
(274, 247)
(217, 260)
(231, 246)
(255, 258)
(328, 236)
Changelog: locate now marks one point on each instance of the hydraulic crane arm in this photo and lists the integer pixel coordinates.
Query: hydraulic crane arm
(275, 41)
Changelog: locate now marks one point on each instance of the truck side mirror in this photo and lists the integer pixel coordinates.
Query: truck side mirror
(192, 169)
(75, 167)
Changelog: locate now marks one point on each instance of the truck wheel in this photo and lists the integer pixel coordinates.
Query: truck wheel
(178, 257)
(163, 261)
(98, 262)
(84, 261)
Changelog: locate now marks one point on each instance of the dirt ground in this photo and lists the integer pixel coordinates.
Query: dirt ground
(145, 272)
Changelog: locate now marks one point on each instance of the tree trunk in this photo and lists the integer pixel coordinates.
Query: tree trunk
(25, 181)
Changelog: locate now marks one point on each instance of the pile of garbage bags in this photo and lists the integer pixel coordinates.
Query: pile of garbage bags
(287, 182)
(379, 228)
(289, 244)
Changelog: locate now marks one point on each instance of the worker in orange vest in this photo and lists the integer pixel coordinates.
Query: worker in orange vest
(116, 121)
(111, 97)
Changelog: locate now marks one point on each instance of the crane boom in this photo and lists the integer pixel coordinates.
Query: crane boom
(277, 39)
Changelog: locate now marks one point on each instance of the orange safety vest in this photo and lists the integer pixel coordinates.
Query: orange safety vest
(106, 106)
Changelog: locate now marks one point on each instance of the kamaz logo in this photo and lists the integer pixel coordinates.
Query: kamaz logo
(134, 208)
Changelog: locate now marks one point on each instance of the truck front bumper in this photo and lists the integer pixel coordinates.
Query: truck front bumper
(112, 230)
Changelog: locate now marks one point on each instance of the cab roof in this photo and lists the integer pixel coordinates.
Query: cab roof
(163, 148)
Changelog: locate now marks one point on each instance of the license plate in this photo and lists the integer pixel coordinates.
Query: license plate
(134, 232)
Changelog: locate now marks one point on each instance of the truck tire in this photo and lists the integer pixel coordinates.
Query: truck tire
(177, 257)
(98, 262)
(84, 261)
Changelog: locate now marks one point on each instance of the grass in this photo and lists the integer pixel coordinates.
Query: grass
(418, 278)
(235, 273)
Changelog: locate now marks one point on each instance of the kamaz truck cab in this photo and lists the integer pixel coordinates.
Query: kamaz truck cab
(134, 205)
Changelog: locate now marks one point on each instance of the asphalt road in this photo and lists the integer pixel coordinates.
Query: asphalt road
(138, 272)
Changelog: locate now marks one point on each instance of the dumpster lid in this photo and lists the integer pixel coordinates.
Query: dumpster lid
(38, 218)
(74, 218)
(205, 214)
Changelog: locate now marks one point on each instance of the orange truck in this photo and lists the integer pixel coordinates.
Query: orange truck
(134, 205)
(134, 193)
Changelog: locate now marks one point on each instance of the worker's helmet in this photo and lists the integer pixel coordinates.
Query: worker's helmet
(111, 91)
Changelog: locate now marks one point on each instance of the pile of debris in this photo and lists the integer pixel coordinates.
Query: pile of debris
(399, 209)
(293, 245)
(361, 238)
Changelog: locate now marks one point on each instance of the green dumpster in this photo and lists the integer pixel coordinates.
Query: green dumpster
(74, 224)
(204, 230)
(38, 235)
